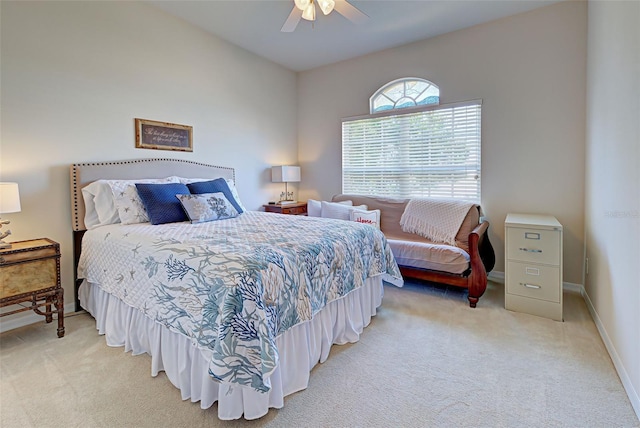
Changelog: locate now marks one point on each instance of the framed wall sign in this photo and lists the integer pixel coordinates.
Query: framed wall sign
(151, 134)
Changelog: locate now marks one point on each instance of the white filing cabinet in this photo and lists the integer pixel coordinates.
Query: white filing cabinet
(533, 265)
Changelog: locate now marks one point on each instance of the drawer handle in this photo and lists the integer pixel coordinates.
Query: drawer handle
(530, 285)
(531, 271)
(528, 250)
(531, 235)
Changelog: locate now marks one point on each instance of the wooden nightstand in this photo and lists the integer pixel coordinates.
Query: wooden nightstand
(30, 272)
(294, 209)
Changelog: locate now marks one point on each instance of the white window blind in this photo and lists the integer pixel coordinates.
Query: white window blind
(434, 152)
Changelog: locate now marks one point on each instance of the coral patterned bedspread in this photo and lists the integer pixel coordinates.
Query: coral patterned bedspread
(234, 285)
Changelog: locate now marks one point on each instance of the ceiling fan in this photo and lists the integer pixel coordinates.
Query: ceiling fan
(306, 9)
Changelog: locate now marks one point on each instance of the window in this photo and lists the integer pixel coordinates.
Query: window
(426, 151)
(429, 150)
(404, 93)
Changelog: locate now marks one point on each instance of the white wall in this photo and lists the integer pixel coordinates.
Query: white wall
(74, 75)
(612, 220)
(529, 70)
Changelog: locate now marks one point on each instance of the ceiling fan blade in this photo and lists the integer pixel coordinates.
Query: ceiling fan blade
(350, 12)
(292, 21)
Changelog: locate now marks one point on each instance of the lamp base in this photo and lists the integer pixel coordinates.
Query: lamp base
(4, 245)
(287, 202)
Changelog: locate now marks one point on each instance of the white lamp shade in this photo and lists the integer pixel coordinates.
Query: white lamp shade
(302, 4)
(9, 198)
(326, 6)
(309, 13)
(285, 174)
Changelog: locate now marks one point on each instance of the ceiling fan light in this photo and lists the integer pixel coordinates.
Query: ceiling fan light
(326, 6)
(310, 12)
(302, 4)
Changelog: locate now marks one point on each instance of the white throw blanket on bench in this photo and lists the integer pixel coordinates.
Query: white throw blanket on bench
(436, 219)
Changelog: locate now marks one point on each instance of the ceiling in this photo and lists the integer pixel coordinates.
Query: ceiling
(255, 25)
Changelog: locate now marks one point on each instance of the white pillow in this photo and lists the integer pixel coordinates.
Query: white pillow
(371, 217)
(187, 180)
(339, 211)
(314, 208)
(234, 192)
(100, 208)
(129, 205)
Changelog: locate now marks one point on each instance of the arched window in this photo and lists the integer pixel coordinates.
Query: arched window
(426, 150)
(403, 93)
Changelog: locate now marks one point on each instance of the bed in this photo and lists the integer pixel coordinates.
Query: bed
(235, 311)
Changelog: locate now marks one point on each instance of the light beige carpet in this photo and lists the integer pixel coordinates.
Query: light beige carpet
(426, 360)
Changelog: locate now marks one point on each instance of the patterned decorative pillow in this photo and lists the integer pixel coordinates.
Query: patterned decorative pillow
(371, 217)
(215, 186)
(207, 207)
(230, 183)
(159, 200)
(130, 207)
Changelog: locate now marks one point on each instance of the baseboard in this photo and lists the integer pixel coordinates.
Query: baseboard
(617, 363)
(30, 317)
(496, 276)
(579, 288)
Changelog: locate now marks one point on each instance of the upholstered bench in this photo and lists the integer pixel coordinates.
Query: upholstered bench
(464, 264)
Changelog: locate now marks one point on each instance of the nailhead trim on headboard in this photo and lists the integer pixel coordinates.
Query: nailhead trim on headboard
(74, 176)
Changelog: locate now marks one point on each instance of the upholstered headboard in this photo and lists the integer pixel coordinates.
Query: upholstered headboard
(83, 174)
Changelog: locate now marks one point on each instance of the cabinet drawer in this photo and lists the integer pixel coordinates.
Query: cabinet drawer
(10, 257)
(535, 281)
(27, 277)
(295, 210)
(533, 245)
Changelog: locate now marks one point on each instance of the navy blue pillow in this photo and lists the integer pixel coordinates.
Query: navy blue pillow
(214, 186)
(161, 203)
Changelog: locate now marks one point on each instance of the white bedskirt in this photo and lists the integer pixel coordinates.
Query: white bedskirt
(186, 364)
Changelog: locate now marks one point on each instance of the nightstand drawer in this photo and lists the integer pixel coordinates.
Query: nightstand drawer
(533, 245)
(534, 281)
(27, 277)
(299, 208)
(28, 250)
(295, 210)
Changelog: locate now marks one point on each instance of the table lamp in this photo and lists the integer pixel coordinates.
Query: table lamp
(9, 203)
(285, 174)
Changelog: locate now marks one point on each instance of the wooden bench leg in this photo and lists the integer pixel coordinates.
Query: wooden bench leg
(473, 301)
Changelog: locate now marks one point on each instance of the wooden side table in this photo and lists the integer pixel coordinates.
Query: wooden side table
(30, 272)
(299, 208)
